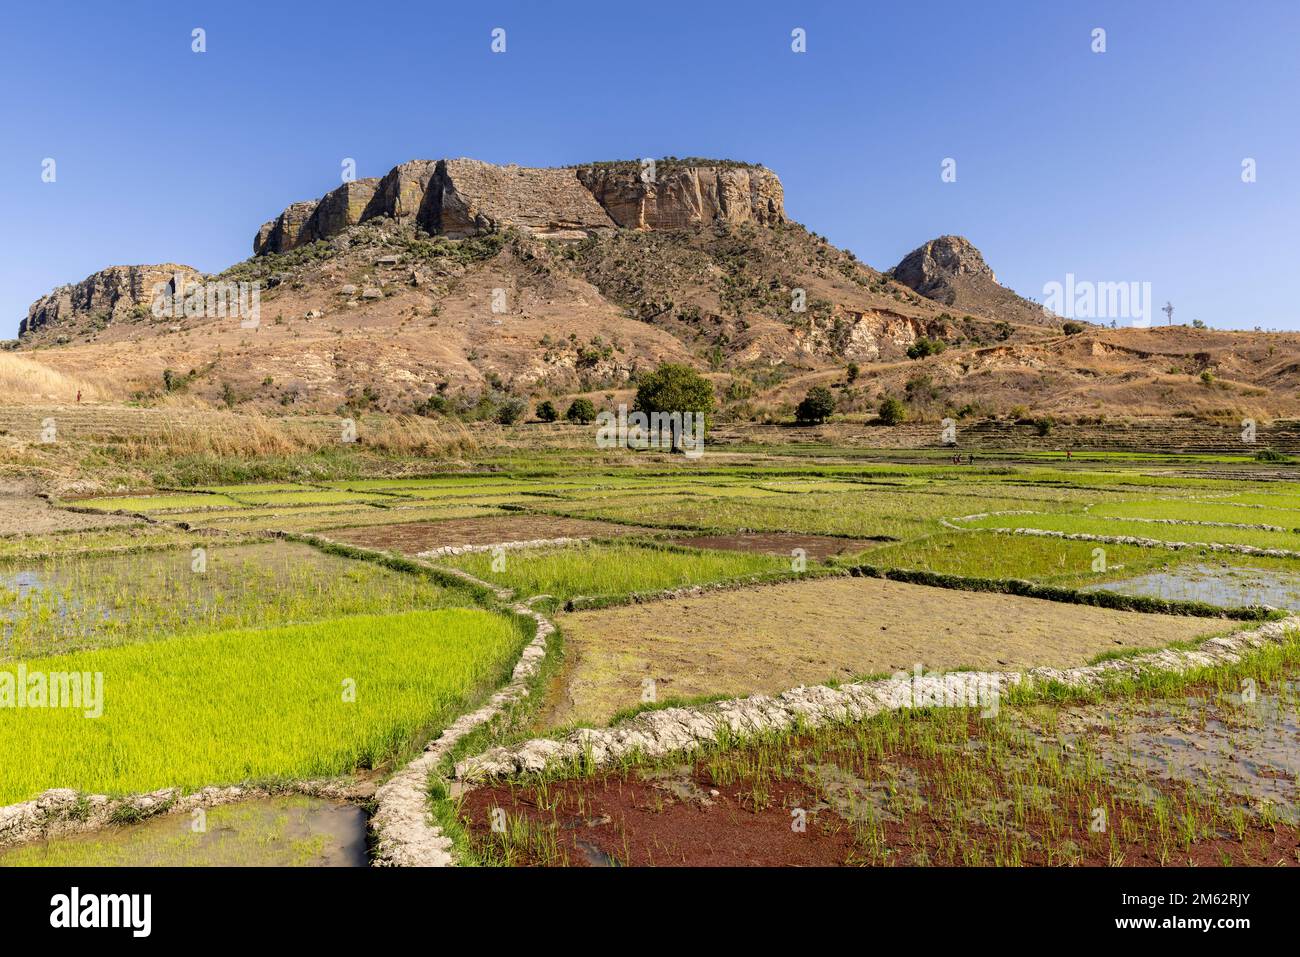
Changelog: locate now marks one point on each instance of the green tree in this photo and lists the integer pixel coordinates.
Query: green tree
(581, 411)
(925, 347)
(892, 412)
(816, 407)
(511, 410)
(853, 372)
(547, 412)
(674, 388)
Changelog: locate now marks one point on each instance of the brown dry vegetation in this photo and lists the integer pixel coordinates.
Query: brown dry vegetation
(23, 379)
(772, 637)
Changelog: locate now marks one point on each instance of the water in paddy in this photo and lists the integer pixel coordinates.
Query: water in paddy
(1246, 751)
(68, 603)
(295, 831)
(1241, 751)
(1227, 586)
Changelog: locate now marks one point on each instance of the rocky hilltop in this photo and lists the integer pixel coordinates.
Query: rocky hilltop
(107, 296)
(459, 198)
(453, 286)
(952, 271)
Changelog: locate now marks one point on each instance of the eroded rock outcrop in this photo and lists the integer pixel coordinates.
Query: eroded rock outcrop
(950, 270)
(105, 296)
(479, 197)
(306, 222)
(465, 197)
(931, 268)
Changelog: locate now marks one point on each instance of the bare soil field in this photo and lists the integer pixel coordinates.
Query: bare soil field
(773, 637)
(29, 515)
(412, 538)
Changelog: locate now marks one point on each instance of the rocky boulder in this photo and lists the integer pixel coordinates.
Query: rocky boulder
(931, 268)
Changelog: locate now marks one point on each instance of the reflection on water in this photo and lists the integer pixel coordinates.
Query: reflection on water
(1226, 586)
(294, 831)
(1242, 749)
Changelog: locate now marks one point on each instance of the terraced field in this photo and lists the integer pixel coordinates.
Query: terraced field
(333, 627)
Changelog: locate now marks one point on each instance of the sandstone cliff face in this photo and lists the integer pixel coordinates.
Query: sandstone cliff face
(686, 196)
(281, 234)
(322, 218)
(108, 295)
(464, 197)
(403, 192)
(479, 197)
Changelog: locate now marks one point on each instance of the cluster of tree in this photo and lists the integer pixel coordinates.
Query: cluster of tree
(671, 388)
(818, 405)
(581, 411)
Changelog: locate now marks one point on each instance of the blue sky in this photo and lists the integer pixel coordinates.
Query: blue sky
(1119, 166)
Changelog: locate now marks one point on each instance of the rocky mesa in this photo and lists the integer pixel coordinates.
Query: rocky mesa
(457, 285)
(458, 198)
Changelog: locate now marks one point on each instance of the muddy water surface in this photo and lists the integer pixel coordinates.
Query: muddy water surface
(1226, 586)
(271, 832)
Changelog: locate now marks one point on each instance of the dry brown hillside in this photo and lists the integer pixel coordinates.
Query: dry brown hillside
(525, 287)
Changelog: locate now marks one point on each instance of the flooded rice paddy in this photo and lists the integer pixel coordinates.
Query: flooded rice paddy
(292, 831)
(71, 602)
(1222, 585)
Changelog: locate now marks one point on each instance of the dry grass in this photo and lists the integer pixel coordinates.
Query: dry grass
(218, 433)
(416, 435)
(245, 434)
(26, 380)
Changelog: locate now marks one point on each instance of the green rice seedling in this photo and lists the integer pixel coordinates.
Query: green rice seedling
(612, 569)
(124, 539)
(157, 503)
(294, 702)
(308, 497)
(76, 602)
(250, 488)
(1200, 510)
(1088, 524)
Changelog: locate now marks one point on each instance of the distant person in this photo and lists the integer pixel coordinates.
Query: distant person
(972, 458)
(1068, 456)
(78, 395)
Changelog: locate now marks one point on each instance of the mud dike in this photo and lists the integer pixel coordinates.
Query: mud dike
(404, 834)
